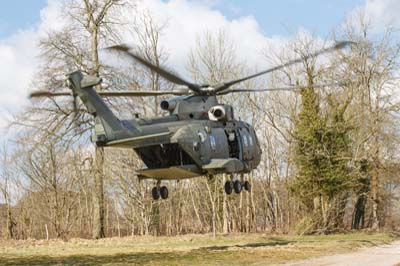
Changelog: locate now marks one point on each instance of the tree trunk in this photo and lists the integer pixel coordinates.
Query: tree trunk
(213, 217)
(98, 196)
(10, 223)
(376, 166)
(359, 213)
(225, 211)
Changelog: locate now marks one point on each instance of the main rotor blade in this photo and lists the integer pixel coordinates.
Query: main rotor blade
(142, 93)
(159, 70)
(37, 94)
(290, 88)
(337, 46)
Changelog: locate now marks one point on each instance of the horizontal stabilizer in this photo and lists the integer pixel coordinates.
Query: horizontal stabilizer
(141, 141)
(171, 173)
(230, 165)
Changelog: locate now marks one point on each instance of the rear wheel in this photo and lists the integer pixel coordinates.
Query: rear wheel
(228, 187)
(237, 186)
(164, 192)
(247, 186)
(155, 192)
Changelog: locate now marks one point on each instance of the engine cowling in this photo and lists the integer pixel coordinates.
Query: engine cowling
(168, 105)
(217, 113)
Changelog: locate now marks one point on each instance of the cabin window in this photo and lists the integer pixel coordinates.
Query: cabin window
(202, 136)
(196, 146)
(250, 140)
(231, 136)
(213, 143)
(245, 141)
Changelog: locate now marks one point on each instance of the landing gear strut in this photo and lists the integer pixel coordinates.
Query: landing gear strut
(236, 185)
(158, 191)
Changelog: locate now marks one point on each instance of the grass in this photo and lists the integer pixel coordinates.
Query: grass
(252, 249)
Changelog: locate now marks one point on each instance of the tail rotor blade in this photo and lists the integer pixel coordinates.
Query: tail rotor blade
(43, 93)
(75, 104)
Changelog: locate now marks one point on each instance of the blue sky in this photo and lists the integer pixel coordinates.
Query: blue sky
(18, 14)
(282, 17)
(275, 17)
(253, 26)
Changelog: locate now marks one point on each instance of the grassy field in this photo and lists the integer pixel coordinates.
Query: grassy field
(254, 249)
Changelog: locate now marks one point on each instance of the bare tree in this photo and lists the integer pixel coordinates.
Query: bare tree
(5, 188)
(91, 20)
(373, 64)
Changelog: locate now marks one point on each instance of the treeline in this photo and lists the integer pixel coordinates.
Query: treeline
(329, 154)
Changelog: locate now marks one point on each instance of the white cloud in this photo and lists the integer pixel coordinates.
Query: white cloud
(51, 17)
(383, 13)
(186, 19)
(19, 61)
(17, 56)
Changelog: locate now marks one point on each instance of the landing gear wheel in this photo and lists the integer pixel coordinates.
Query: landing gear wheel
(247, 186)
(155, 192)
(164, 192)
(228, 187)
(237, 186)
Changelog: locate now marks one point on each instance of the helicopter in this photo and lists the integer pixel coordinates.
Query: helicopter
(199, 137)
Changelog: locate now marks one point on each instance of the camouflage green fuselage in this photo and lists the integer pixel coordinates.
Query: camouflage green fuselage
(187, 143)
(199, 136)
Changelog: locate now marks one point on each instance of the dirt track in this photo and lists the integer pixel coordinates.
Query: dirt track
(385, 255)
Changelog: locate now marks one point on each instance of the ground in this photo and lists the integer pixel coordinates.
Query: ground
(253, 249)
(382, 255)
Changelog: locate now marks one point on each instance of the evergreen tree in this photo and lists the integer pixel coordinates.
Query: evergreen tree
(321, 155)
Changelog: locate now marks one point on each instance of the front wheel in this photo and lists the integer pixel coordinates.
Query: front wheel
(228, 187)
(237, 186)
(155, 192)
(164, 192)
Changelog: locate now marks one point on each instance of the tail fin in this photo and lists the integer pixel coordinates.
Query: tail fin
(83, 87)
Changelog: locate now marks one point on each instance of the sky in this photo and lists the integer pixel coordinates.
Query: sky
(285, 16)
(252, 25)
(19, 14)
(274, 17)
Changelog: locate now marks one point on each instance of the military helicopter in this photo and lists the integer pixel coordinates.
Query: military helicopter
(199, 137)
